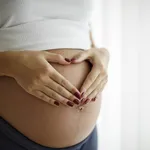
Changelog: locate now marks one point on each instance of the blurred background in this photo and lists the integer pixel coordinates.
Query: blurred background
(123, 26)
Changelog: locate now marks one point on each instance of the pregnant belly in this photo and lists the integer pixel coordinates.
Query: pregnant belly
(43, 123)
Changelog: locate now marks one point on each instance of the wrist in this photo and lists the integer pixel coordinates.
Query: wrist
(104, 52)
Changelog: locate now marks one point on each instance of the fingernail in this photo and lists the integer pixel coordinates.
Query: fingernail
(68, 60)
(70, 104)
(82, 94)
(94, 99)
(73, 59)
(56, 103)
(82, 101)
(86, 101)
(78, 95)
(76, 101)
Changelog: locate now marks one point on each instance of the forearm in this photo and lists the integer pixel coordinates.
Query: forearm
(103, 51)
(92, 41)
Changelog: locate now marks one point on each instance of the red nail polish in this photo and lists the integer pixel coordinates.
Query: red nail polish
(68, 60)
(82, 94)
(82, 101)
(86, 101)
(77, 95)
(56, 103)
(70, 104)
(94, 99)
(76, 101)
(73, 59)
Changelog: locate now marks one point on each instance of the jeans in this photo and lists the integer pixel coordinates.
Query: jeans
(12, 139)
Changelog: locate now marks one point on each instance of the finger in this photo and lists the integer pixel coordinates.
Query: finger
(95, 98)
(61, 90)
(52, 94)
(99, 89)
(91, 77)
(57, 58)
(95, 84)
(95, 93)
(57, 77)
(80, 57)
(45, 98)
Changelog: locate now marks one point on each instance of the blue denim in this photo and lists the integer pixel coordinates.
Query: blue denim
(12, 139)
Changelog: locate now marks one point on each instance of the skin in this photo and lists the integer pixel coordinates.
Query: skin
(32, 113)
(42, 122)
(34, 73)
(97, 78)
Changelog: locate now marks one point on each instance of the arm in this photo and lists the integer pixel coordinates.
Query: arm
(91, 37)
(34, 73)
(97, 78)
(93, 45)
(92, 41)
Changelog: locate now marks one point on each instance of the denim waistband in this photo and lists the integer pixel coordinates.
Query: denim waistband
(17, 137)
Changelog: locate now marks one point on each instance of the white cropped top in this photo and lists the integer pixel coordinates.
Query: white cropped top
(44, 24)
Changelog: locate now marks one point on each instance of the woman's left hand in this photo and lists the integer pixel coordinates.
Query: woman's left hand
(97, 78)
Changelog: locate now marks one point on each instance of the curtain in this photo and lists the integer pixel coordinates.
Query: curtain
(122, 26)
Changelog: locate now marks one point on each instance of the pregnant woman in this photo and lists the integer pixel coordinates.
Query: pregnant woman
(51, 75)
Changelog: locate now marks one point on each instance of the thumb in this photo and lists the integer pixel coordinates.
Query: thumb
(80, 57)
(57, 58)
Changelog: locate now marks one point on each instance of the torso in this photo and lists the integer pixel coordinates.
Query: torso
(43, 123)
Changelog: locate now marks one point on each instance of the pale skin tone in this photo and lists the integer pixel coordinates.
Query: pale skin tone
(33, 72)
(97, 78)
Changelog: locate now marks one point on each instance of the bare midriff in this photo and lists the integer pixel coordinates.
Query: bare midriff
(43, 123)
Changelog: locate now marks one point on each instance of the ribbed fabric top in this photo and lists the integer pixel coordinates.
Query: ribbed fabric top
(44, 24)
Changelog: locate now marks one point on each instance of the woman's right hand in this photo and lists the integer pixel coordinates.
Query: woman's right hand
(33, 72)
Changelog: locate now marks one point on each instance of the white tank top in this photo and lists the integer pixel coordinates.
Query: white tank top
(44, 24)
